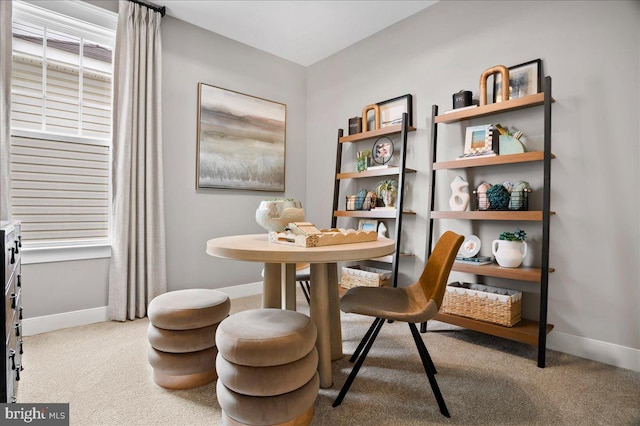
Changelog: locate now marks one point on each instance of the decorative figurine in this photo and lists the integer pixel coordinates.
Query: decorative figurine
(459, 200)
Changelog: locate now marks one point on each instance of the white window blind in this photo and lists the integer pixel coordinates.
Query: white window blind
(60, 190)
(61, 125)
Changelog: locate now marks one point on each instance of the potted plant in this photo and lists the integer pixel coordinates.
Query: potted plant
(387, 191)
(510, 249)
(363, 160)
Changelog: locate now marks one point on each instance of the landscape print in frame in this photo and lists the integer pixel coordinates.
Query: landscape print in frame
(241, 141)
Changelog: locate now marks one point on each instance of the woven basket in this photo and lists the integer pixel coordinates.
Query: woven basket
(480, 302)
(364, 276)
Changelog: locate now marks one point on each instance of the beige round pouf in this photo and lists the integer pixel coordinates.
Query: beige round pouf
(267, 381)
(188, 309)
(267, 365)
(183, 370)
(265, 337)
(292, 408)
(182, 329)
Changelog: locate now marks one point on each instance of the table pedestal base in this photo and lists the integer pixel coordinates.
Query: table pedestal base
(324, 309)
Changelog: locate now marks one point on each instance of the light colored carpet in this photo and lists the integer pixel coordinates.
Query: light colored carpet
(102, 371)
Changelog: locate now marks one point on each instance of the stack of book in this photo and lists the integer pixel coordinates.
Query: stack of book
(476, 260)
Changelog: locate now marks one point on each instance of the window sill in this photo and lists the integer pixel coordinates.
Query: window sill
(63, 254)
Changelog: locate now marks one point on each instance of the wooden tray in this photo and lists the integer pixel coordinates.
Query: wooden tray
(327, 237)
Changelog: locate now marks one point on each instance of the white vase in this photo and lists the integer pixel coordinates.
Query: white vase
(275, 215)
(509, 254)
(388, 197)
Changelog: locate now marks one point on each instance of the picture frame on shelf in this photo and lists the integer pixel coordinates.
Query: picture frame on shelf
(524, 79)
(368, 225)
(240, 141)
(479, 140)
(382, 150)
(391, 110)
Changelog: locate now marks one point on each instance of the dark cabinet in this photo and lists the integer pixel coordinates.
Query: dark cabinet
(11, 241)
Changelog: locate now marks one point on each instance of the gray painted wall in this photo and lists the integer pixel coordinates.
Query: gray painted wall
(592, 51)
(192, 55)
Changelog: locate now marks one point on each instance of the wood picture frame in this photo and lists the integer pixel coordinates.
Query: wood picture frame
(240, 141)
(391, 110)
(368, 225)
(524, 79)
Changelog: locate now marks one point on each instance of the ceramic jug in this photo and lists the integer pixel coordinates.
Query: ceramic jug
(509, 254)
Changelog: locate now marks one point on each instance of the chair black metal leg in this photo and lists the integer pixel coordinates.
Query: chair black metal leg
(364, 340)
(423, 327)
(304, 285)
(426, 360)
(354, 372)
(424, 354)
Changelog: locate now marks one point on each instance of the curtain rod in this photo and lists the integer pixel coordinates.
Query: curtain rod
(162, 9)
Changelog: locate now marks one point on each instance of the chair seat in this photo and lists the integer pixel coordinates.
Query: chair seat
(390, 303)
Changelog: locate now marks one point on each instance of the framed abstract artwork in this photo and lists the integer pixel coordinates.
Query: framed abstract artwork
(524, 80)
(391, 110)
(241, 141)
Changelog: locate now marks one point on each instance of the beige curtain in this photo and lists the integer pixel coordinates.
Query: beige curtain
(5, 108)
(138, 266)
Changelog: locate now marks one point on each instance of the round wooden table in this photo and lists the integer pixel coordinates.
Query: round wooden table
(280, 260)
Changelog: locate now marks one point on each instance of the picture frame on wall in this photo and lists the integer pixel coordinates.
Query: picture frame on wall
(524, 79)
(391, 110)
(240, 141)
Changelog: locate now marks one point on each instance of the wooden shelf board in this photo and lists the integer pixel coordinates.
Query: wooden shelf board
(523, 273)
(389, 130)
(489, 215)
(373, 173)
(526, 331)
(481, 111)
(375, 213)
(491, 161)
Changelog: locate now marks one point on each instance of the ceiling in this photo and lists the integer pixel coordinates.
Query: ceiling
(301, 31)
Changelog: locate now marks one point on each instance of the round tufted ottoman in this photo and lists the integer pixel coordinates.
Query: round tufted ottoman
(182, 329)
(267, 368)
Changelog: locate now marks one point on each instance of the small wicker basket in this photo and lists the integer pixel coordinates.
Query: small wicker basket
(496, 305)
(364, 276)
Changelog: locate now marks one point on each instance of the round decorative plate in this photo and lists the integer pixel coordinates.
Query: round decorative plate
(382, 150)
(470, 246)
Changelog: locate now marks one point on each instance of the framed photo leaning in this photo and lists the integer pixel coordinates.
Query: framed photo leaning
(524, 79)
(368, 225)
(391, 110)
(240, 141)
(480, 141)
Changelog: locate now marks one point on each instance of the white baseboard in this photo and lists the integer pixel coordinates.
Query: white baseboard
(596, 350)
(608, 353)
(47, 323)
(44, 324)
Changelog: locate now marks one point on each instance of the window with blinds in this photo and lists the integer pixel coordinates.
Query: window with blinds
(61, 100)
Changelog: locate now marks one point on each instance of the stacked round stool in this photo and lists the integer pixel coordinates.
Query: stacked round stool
(267, 368)
(182, 334)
